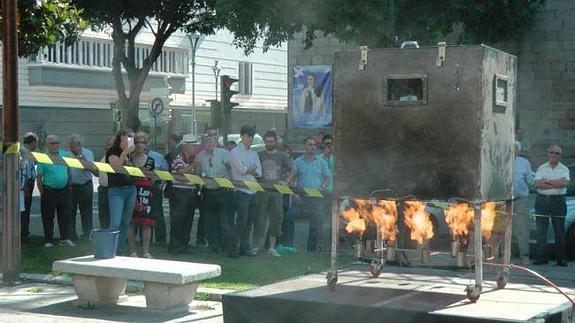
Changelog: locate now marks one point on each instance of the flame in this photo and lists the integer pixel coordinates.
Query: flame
(418, 221)
(487, 218)
(355, 223)
(382, 214)
(459, 217)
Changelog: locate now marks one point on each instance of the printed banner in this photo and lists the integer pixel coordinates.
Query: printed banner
(311, 98)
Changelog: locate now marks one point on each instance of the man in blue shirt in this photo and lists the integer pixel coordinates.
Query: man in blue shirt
(522, 177)
(309, 171)
(27, 182)
(55, 196)
(82, 187)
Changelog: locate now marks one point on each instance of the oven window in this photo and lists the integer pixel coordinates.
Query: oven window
(405, 90)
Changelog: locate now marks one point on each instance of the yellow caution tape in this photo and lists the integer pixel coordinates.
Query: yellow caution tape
(164, 175)
(284, 189)
(73, 162)
(42, 158)
(195, 179)
(134, 171)
(185, 179)
(254, 186)
(312, 192)
(224, 182)
(13, 148)
(103, 167)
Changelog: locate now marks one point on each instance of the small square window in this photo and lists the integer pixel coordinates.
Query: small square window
(405, 89)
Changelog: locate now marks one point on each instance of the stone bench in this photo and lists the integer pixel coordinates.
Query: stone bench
(168, 284)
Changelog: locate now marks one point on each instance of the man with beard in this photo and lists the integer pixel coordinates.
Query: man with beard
(275, 166)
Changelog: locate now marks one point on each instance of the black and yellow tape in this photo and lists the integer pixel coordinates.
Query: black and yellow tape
(181, 179)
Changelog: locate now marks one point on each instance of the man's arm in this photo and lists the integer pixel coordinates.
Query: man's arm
(40, 183)
(558, 183)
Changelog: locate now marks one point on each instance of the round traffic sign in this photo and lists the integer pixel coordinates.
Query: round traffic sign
(157, 106)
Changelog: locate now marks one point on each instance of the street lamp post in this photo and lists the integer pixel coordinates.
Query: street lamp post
(216, 71)
(195, 41)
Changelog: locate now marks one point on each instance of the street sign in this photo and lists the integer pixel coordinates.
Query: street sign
(156, 106)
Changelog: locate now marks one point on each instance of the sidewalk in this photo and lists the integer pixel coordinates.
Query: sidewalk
(38, 302)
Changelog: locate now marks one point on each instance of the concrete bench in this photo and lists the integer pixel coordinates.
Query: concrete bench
(168, 284)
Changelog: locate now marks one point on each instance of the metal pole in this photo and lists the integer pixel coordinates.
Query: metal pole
(216, 71)
(332, 275)
(478, 239)
(11, 227)
(194, 44)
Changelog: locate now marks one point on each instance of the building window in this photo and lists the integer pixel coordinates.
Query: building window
(245, 78)
(97, 53)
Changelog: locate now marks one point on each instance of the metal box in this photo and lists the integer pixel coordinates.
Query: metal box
(435, 122)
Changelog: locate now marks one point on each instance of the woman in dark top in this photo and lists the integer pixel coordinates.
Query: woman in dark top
(145, 197)
(121, 189)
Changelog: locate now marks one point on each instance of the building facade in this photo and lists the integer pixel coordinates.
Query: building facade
(63, 90)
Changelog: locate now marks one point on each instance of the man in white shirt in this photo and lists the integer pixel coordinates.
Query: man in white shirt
(551, 180)
(245, 166)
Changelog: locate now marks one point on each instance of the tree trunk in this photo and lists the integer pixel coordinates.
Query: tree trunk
(130, 113)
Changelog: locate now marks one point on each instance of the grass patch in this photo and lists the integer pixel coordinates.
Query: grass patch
(238, 274)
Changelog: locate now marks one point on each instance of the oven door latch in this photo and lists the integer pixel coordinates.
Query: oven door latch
(363, 59)
(440, 54)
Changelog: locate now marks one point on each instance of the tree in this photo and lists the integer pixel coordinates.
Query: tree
(125, 19)
(376, 22)
(42, 23)
(370, 22)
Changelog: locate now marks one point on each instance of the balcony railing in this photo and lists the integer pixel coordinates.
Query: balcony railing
(99, 53)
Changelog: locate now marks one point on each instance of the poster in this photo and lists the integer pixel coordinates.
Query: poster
(312, 97)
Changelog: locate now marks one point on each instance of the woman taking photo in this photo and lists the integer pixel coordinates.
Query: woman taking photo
(143, 214)
(121, 189)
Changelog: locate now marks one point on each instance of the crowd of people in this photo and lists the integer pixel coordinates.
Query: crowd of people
(238, 222)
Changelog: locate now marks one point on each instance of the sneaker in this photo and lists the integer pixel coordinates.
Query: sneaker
(67, 243)
(134, 255)
(148, 255)
(273, 252)
(48, 245)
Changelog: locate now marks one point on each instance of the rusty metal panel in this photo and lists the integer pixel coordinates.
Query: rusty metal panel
(431, 131)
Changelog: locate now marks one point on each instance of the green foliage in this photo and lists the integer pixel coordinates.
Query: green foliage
(376, 22)
(45, 22)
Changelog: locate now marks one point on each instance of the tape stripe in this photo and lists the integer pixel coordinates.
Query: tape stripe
(103, 167)
(13, 149)
(73, 162)
(186, 180)
(42, 158)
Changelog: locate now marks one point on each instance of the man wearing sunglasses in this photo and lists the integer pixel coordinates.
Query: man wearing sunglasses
(55, 195)
(551, 180)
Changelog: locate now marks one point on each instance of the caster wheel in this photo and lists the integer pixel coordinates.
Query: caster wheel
(375, 270)
(472, 294)
(331, 281)
(501, 282)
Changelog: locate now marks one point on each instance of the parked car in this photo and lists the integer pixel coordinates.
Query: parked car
(257, 145)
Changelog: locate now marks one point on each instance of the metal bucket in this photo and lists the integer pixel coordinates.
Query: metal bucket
(104, 243)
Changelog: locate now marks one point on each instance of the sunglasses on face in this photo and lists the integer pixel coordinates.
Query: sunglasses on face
(554, 152)
(53, 143)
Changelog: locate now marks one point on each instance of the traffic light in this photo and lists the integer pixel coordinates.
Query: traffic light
(226, 83)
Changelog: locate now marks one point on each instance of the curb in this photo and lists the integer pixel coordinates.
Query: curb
(204, 294)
